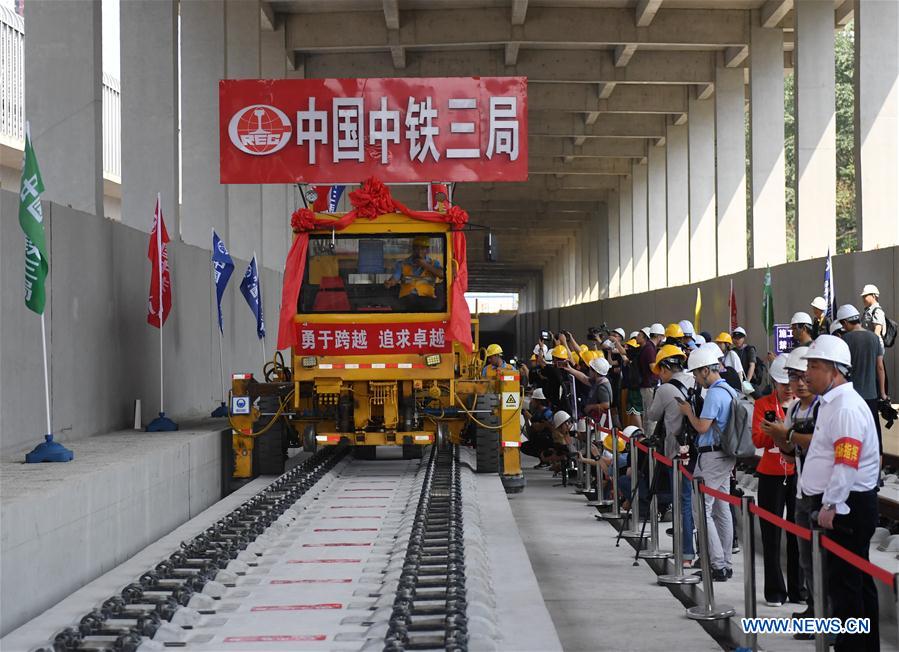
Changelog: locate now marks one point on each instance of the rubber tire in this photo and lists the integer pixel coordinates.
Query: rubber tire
(487, 451)
(309, 443)
(412, 452)
(365, 452)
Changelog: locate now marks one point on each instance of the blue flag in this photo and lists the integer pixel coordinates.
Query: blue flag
(222, 268)
(334, 197)
(830, 293)
(251, 291)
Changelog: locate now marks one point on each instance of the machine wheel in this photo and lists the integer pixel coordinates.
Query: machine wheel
(309, 443)
(487, 452)
(442, 436)
(365, 452)
(412, 452)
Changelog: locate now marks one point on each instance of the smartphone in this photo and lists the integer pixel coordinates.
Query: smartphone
(770, 416)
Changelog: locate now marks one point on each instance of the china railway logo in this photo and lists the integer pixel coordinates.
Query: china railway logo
(259, 129)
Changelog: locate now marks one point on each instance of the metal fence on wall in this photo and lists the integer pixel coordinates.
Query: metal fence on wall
(12, 97)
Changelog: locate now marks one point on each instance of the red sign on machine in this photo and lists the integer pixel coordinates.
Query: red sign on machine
(396, 129)
(373, 339)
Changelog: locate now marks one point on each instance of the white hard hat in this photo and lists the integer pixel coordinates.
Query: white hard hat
(600, 366)
(870, 289)
(538, 394)
(548, 356)
(819, 303)
(801, 318)
(704, 356)
(632, 335)
(830, 348)
(620, 331)
(836, 327)
(630, 430)
(645, 330)
(657, 329)
(560, 417)
(740, 330)
(686, 326)
(847, 311)
(699, 339)
(795, 361)
(778, 369)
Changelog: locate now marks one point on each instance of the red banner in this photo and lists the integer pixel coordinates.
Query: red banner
(399, 130)
(372, 339)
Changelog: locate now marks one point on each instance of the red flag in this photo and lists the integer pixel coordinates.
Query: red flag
(320, 205)
(732, 302)
(159, 271)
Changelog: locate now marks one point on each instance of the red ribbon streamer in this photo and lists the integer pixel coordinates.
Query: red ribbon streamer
(783, 524)
(370, 201)
(860, 563)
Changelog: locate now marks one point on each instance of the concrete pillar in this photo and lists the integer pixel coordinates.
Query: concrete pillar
(613, 245)
(204, 205)
(639, 234)
(678, 209)
(149, 55)
(730, 163)
(275, 215)
(626, 236)
(242, 52)
(701, 145)
(816, 180)
(572, 282)
(63, 102)
(656, 207)
(596, 253)
(877, 127)
(767, 159)
(602, 250)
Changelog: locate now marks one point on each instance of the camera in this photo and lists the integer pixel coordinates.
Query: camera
(546, 336)
(804, 427)
(770, 416)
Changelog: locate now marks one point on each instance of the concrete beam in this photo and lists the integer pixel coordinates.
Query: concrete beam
(705, 91)
(645, 11)
(735, 56)
(581, 27)
(580, 166)
(845, 13)
(267, 17)
(391, 13)
(567, 125)
(523, 207)
(623, 54)
(592, 148)
(774, 11)
(511, 53)
(605, 90)
(519, 11)
(585, 66)
(537, 191)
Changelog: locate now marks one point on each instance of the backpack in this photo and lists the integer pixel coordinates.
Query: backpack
(889, 333)
(736, 438)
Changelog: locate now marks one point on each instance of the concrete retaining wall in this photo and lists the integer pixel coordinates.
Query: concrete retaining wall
(103, 354)
(794, 286)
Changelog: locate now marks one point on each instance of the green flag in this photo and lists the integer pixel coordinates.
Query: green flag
(32, 220)
(768, 304)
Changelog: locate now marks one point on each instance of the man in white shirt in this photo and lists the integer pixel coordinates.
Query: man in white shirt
(839, 479)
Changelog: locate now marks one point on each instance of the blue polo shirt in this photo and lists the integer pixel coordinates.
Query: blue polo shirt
(717, 406)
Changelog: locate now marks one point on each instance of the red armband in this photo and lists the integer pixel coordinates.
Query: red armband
(847, 450)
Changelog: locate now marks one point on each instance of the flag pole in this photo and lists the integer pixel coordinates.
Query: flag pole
(46, 375)
(162, 423)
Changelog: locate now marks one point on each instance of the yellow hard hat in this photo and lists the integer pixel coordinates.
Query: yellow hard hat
(582, 348)
(667, 351)
(632, 343)
(674, 330)
(494, 349)
(598, 354)
(575, 358)
(724, 338)
(607, 443)
(560, 352)
(421, 241)
(587, 356)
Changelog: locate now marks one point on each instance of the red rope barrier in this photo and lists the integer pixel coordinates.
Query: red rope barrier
(661, 458)
(798, 530)
(860, 563)
(714, 493)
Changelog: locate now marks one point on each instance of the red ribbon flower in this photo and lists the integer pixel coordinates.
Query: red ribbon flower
(458, 217)
(372, 199)
(302, 219)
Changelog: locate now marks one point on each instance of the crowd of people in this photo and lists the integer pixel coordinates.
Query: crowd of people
(815, 416)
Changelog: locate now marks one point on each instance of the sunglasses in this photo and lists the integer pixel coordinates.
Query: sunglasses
(797, 375)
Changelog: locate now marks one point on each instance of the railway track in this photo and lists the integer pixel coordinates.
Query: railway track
(336, 554)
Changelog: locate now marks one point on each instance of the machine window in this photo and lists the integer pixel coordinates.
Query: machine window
(369, 274)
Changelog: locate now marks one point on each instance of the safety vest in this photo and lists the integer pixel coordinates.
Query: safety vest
(490, 371)
(421, 283)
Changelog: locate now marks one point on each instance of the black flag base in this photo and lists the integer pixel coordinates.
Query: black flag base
(49, 451)
(162, 424)
(220, 411)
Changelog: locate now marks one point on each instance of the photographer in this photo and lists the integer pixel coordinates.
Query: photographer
(665, 412)
(776, 490)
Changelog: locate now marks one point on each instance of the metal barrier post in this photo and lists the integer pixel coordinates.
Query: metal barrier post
(652, 551)
(709, 610)
(599, 501)
(633, 531)
(677, 519)
(749, 567)
(818, 586)
(615, 503)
